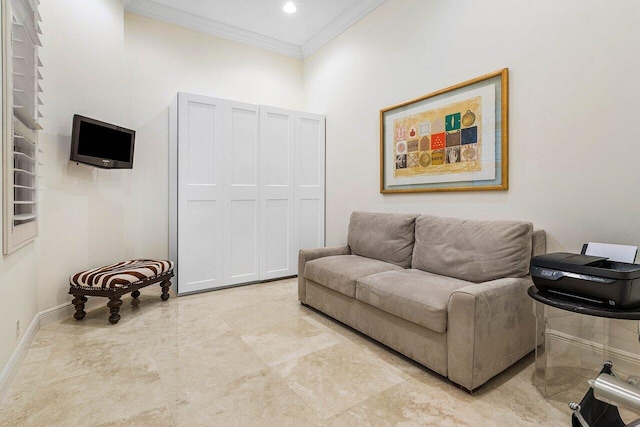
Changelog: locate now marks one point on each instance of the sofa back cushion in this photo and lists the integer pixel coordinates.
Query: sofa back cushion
(477, 251)
(382, 236)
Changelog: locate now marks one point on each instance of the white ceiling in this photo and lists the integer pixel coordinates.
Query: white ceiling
(262, 23)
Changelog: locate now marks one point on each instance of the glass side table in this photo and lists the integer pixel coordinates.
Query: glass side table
(571, 349)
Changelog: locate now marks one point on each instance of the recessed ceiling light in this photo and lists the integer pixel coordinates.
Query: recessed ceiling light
(290, 7)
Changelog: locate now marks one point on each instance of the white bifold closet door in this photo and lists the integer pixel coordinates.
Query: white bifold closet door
(242, 192)
(309, 194)
(277, 193)
(246, 191)
(291, 188)
(200, 188)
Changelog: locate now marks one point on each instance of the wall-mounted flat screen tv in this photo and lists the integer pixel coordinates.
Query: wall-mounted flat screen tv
(101, 144)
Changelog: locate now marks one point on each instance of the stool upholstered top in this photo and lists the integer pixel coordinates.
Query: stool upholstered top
(120, 275)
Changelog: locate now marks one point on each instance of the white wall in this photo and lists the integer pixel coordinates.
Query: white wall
(574, 98)
(126, 69)
(573, 107)
(82, 210)
(18, 291)
(574, 104)
(163, 59)
(18, 298)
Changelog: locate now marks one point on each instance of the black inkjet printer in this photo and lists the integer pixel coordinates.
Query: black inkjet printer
(590, 278)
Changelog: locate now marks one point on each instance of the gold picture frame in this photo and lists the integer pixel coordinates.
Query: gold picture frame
(454, 139)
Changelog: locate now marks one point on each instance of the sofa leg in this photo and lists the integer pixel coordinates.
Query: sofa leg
(78, 302)
(165, 284)
(114, 308)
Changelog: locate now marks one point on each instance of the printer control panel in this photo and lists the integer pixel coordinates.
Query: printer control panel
(547, 273)
(557, 275)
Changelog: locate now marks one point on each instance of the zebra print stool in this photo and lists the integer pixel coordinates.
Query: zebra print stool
(113, 281)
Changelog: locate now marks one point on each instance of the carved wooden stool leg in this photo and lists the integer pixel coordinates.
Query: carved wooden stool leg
(114, 307)
(165, 284)
(78, 302)
(135, 301)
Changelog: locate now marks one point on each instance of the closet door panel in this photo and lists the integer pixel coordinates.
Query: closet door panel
(309, 178)
(242, 249)
(242, 202)
(200, 191)
(243, 150)
(201, 150)
(310, 223)
(277, 235)
(277, 147)
(199, 265)
(310, 153)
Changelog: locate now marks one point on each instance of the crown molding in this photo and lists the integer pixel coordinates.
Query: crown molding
(209, 26)
(198, 23)
(339, 25)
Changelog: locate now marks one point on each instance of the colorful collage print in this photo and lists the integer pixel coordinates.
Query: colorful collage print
(439, 141)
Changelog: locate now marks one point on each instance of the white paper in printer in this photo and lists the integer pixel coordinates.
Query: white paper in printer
(620, 253)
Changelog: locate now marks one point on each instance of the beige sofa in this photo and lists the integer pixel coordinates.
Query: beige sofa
(448, 293)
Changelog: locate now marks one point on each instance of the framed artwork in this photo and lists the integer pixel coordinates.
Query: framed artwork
(455, 139)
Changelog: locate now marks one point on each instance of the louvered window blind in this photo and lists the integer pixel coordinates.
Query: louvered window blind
(22, 76)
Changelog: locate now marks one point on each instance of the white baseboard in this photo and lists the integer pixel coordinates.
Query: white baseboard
(63, 311)
(9, 371)
(624, 361)
(41, 319)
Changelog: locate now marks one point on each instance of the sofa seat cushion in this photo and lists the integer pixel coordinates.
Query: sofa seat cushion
(340, 272)
(414, 295)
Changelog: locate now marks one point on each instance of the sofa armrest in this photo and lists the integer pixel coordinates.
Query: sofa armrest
(490, 327)
(306, 255)
(538, 243)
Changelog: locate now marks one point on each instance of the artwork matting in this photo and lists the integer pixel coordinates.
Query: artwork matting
(454, 139)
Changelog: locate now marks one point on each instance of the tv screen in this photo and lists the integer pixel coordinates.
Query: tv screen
(101, 144)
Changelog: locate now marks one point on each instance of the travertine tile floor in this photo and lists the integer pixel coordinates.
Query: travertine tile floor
(246, 356)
